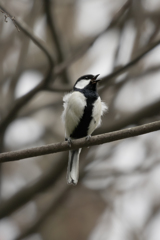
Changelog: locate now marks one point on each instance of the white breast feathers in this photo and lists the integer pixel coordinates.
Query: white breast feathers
(74, 104)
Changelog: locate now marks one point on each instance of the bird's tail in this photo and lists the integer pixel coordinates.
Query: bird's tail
(73, 166)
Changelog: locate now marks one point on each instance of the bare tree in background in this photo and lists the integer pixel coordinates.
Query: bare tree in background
(44, 47)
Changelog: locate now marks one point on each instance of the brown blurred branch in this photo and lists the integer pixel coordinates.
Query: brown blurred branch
(58, 90)
(24, 99)
(53, 206)
(54, 34)
(58, 70)
(25, 194)
(115, 20)
(80, 143)
(65, 189)
(131, 63)
(7, 15)
(121, 70)
(31, 35)
(20, 103)
(25, 42)
(58, 199)
(133, 118)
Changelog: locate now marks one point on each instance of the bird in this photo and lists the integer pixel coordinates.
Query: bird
(82, 114)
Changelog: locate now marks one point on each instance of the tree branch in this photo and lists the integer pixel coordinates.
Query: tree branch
(22, 26)
(54, 35)
(24, 99)
(48, 7)
(80, 143)
(53, 206)
(50, 177)
(134, 118)
(57, 70)
(131, 63)
(7, 15)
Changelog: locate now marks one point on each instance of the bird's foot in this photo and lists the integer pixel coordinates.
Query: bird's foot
(88, 137)
(69, 141)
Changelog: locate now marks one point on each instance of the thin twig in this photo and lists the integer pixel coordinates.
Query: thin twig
(22, 26)
(7, 15)
(131, 63)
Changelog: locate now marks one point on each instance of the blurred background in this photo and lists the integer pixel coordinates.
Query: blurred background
(118, 194)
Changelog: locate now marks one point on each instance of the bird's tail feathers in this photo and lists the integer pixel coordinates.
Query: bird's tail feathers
(73, 166)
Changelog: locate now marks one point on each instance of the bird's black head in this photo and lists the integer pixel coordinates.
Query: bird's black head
(87, 82)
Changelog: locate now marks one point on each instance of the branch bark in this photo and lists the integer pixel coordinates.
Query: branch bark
(80, 143)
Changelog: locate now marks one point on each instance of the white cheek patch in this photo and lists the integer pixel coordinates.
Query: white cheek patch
(81, 84)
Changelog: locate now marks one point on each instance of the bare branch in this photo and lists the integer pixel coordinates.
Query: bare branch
(54, 34)
(50, 208)
(58, 69)
(56, 40)
(58, 90)
(21, 25)
(7, 15)
(80, 143)
(24, 99)
(25, 194)
(131, 63)
(133, 118)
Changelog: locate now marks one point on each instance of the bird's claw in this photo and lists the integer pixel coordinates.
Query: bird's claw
(88, 137)
(68, 141)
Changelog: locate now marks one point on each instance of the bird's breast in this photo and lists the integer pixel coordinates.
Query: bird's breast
(73, 111)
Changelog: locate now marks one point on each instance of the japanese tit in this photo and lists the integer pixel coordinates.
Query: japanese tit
(82, 113)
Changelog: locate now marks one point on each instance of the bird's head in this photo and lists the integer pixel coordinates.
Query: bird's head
(87, 81)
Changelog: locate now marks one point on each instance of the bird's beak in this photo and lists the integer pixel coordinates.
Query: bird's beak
(94, 79)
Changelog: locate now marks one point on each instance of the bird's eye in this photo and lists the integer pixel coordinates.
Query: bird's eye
(86, 77)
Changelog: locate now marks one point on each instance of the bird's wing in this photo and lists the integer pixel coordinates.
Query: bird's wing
(74, 105)
(98, 110)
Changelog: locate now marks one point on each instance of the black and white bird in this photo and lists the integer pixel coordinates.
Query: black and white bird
(82, 113)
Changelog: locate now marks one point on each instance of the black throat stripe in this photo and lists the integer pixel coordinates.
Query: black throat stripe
(82, 129)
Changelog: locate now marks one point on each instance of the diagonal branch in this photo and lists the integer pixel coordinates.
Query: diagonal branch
(7, 15)
(131, 63)
(134, 118)
(24, 28)
(19, 103)
(57, 70)
(54, 35)
(24, 99)
(80, 143)
(52, 207)
(20, 198)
